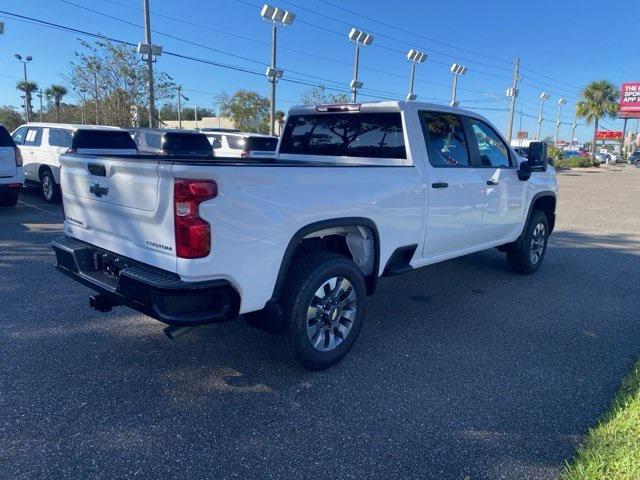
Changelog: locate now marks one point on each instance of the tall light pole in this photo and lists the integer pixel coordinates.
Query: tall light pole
(359, 39)
(561, 102)
(195, 116)
(573, 129)
(27, 95)
(543, 97)
(149, 53)
(513, 93)
(277, 17)
(415, 57)
(179, 88)
(40, 93)
(456, 71)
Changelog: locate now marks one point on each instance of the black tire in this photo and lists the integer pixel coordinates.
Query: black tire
(9, 199)
(520, 254)
(308, 274)
(49, 189)
(637, 164)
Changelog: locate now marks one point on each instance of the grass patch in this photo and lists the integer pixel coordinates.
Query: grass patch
(611, 450)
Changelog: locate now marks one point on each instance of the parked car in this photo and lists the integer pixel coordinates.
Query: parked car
(602, 157)
(11, 170)
(41, 145)
(171, 142)
(242, 145)
(634, 158)
(357, 192)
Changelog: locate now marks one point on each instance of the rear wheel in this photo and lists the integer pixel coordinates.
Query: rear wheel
(50, 190)
(324, 303)
(525, 255)
(637, 164)
(9, 199)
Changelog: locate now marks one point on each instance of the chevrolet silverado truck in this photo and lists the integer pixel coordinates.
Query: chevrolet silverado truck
(296, 244)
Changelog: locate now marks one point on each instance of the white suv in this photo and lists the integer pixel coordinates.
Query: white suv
(41, 145)
(11, 174)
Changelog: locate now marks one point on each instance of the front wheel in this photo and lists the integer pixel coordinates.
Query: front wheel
(525, 255)
(50, 190)
(324, 302)
(637, 164)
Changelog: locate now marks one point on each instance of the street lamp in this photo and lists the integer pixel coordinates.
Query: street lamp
(415, 57)
(180, 97)
(27, 94)
(40, 94)
(543, 97)
(456, 71)
(359, 39)
(277, 17)
(561, 102)
(573, 129)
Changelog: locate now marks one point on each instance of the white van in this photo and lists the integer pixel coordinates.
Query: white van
(41, 145)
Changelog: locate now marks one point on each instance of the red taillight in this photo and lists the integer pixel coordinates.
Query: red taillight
(18, 156)
(244, 154)
(193, 234)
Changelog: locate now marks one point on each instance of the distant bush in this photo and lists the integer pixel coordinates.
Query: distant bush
(573, 162)
(554, 153)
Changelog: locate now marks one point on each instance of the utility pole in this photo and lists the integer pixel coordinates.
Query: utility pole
(195, 115)
(95, 86)
(513, 93)
(273, 79)
(543, 96)
(27, 93)
(40, 93)
(147, 39)
(355, 82)
(179, 108)
(624, 133)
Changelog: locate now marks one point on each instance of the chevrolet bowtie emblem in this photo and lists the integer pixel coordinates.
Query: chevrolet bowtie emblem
(98, 190)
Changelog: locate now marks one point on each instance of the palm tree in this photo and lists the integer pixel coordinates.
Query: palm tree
(599, 100)
(28, 88)
(56, 92)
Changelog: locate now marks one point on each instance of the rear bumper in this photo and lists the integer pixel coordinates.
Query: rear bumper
(154, 292)
(10, 187)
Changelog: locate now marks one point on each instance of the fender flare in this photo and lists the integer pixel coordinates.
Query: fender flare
(372, 281)
(537, 196)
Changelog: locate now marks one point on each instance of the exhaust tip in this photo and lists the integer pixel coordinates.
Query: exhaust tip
(173, 331)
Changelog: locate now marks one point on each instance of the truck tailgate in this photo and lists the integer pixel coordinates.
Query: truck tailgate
(122, 205)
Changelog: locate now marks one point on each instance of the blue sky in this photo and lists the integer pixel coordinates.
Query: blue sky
(551, 37)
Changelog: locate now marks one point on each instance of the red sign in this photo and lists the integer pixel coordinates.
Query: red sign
(523, 135)
(608, 135)
(630, 100)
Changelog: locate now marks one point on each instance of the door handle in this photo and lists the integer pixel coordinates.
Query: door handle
(439, 185)
(492, 182)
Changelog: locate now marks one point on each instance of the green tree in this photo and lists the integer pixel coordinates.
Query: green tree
(56, 92)
(319, 95)
(28, 88)
(115, 81)
(248, 110)
(10, 117)
(599, 100)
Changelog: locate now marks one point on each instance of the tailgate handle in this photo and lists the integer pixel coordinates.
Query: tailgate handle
(97, 169)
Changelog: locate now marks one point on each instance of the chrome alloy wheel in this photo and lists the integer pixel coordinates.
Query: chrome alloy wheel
(538, 240)
(331, 314)
(47, 187)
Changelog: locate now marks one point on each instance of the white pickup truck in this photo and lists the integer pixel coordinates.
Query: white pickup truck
(297, 243)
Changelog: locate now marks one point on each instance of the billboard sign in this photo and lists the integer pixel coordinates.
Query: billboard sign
(630, 100)
(523, 135)
(608, 135)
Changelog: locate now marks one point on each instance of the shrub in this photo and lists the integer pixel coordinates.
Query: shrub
(574, 162)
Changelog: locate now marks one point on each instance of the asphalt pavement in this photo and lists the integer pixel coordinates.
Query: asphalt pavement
(462, 369)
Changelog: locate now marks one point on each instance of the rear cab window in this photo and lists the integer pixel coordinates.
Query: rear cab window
(103, 139)
(265, 144)
(357, 134)
(186, 143)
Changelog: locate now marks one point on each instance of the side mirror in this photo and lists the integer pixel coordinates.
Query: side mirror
(524, 172)
(537, 157)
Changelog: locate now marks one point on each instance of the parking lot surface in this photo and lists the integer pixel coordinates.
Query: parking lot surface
(462, 368)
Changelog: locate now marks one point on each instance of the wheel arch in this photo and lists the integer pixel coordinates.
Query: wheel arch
(545, 202)
(307, 231)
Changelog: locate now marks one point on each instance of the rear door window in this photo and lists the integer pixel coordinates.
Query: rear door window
(5, 138)
(368, 135)
(103, 139)
(33, 137)
(60, 137)
(236, 142)
(445, 139)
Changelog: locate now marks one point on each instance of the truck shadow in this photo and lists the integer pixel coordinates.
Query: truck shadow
(460, 367)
